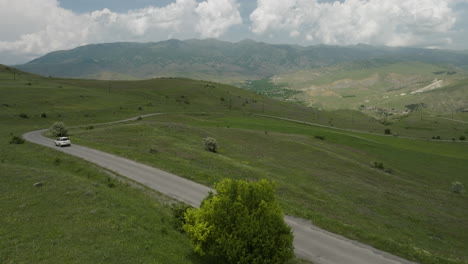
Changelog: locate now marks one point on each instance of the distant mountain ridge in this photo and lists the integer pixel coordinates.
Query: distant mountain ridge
(218, 60)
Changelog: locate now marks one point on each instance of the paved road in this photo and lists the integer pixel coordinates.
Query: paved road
(310, 242)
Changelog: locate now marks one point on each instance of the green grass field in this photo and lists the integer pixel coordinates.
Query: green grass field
(410, 211)
(322, 174)
(83, 214)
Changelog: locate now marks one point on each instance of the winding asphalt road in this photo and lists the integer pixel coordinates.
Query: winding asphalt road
(310, 242)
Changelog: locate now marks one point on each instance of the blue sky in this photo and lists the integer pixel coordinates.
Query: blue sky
(42, 26)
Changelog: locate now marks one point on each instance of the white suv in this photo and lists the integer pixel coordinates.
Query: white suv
(62, 141)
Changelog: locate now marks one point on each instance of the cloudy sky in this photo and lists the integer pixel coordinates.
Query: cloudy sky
(32, 28)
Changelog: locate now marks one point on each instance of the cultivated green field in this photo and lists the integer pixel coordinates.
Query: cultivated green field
(323, 174)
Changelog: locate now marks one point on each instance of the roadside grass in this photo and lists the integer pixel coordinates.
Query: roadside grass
(408, 210)
(80, 214)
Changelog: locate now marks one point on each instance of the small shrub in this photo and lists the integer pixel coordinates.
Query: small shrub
(153, 150)
(57, 161)
(44, 115)
(211, 144)
(89, 127)
(23, 115)
(462, 137)
(16, 140)
(140, 108)
(387, 131)
(222, 99)
(457, 187)
(58, 129)
(140, 118)
(320, 137)
(378, 165)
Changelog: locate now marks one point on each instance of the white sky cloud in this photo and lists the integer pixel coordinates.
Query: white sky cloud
(378, 22)
(32, 28)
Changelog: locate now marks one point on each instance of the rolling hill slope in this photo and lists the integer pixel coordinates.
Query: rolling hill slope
(323, 174)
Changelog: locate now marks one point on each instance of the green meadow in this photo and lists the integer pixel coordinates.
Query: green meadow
(327, 175)
(82, 213)
(322, 174)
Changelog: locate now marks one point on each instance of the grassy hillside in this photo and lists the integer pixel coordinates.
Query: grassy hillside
(322, 174)
(82, 213)
(383, 91)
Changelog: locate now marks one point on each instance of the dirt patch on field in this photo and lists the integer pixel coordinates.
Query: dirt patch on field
(436, 84)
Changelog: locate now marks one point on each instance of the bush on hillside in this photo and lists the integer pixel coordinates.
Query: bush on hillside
(457, 187)
(241, 224)
(211, 144)
(58, 129)
(44, 115)
(23, 115)
(462, 137)
(16, 140)
(378, 165)
(387, 131)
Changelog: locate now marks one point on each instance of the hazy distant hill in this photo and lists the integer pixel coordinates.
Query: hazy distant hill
(218, 60)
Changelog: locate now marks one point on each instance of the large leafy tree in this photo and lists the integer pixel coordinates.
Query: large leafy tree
(241, 223)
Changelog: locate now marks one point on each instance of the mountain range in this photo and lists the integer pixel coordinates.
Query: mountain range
(219, 60)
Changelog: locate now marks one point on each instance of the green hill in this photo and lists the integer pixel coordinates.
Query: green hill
(82, 213)
(328, 175)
